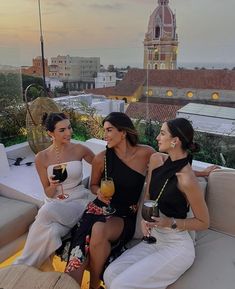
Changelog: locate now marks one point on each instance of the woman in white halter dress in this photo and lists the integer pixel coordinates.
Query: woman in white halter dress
(56, 217)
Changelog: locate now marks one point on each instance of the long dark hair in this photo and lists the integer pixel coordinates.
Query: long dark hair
(50, 120)
(183, 129)
(123, 123)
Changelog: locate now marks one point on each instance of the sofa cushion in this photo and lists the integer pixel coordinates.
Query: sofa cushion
(221, 200)
(214, 266)
(15, 218)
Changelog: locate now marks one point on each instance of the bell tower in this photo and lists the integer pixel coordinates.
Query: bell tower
(161, 39)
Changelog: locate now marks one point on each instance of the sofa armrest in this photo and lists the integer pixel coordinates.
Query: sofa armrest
(220, 199)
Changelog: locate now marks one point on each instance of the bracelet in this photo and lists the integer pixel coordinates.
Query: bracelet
(184, 225)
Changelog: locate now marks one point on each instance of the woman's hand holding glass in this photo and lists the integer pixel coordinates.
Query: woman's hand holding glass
(53, 183)
(107, 189)
(149, 209)
(102, 198)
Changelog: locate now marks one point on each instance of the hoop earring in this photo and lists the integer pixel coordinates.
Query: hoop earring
(173, 145)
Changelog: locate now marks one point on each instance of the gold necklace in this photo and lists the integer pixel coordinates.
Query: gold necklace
(57, 153)
(127, 155)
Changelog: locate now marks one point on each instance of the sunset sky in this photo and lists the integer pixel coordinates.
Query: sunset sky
(114, 30)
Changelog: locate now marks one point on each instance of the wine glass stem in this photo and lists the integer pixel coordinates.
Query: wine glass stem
(62, 190)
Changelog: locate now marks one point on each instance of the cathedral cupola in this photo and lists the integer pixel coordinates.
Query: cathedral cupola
(161, 40)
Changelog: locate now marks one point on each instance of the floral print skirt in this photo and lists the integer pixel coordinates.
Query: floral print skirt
(75, 249)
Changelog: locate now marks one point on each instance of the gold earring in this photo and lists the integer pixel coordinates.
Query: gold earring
(173, 145)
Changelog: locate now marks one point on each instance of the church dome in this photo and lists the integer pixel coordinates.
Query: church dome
(162, 24)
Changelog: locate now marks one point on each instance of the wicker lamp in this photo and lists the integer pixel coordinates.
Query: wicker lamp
(36, 134)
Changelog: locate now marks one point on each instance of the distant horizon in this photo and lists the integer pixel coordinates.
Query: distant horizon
(186, 65)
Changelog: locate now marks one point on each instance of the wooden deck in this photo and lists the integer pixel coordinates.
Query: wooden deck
(58, 268)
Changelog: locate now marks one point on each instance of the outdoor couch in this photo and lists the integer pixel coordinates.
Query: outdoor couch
(214, 266)
(15, 218)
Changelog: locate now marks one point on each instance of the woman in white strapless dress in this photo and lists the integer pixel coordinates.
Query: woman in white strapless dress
(56, 217)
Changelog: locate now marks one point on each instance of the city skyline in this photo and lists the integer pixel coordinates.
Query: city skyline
(114, 30)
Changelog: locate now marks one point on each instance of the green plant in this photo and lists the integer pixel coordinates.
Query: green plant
(86, 122)
(12, 124)
(147, 130)
(215, 149)
(10, 89)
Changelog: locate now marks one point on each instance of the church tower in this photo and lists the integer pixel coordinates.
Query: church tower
(161, 40)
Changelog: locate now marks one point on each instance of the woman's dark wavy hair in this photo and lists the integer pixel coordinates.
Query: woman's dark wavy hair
(50, 120)
(123, 123)
(183, 129)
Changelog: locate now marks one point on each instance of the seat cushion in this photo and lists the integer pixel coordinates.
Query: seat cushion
(221, 200)
(15, 218)
(214, 266)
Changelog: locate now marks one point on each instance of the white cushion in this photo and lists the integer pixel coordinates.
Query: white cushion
(213, 267)
(221, 200)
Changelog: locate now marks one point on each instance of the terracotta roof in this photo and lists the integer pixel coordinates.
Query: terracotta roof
(157, 111)
(130, 83)
(185, 78)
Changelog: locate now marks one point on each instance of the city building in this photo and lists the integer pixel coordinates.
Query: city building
(77, 73)
(53, 83)
(161, 40)
(210, 118)
(102, 105)
(36, 68)
(105, 79)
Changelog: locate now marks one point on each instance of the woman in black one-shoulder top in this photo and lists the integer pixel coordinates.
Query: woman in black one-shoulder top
(97, 238)
(172, 181)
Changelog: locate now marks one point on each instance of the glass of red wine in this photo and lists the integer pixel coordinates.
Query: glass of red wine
(60, 174)
(149, 210)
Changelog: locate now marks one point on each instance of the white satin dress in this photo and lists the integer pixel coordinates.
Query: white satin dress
(56, 217)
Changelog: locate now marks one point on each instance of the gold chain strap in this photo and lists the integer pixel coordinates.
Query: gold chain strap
(163, 187)
(105, 168)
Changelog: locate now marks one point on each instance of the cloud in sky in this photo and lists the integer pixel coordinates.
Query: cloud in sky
(114, 6)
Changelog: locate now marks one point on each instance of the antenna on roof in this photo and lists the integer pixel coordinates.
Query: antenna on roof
(42, 47)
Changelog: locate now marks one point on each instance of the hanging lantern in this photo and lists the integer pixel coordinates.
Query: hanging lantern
(36, 133)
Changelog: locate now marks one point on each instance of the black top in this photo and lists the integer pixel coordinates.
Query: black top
(128, 184)
(172, 202)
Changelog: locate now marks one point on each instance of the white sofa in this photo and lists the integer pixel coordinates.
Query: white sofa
(15, 218)
(214, 266)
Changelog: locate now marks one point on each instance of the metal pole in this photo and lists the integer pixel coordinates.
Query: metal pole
(147, 92)
(42, 48)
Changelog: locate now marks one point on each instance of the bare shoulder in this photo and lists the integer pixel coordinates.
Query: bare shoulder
(187, 179)
(79, 147)
(145, 149)
(42, 157)
(157, 159)
(99, 158)
(82, 152)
